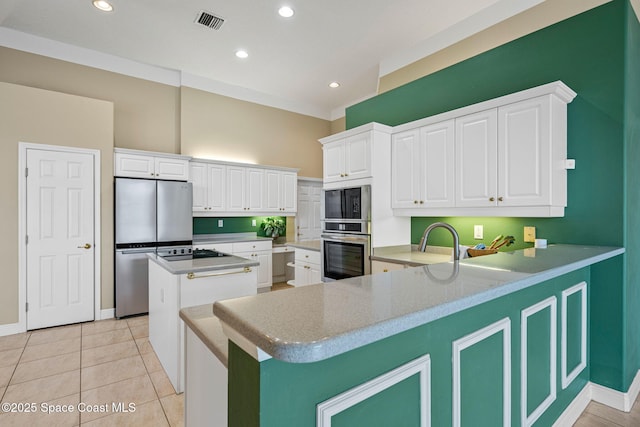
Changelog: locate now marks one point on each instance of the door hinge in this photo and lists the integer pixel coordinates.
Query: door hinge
(26, 172)
(26, 308)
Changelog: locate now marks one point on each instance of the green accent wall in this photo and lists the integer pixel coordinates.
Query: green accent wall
(209, 225)
(597, 54)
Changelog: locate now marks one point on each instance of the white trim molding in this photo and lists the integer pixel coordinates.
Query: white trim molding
(568, 377)
(504, 326)
(422, 366)
(552, 304)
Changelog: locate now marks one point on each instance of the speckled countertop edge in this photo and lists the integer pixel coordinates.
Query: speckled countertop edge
(315, 350)
(207, 327)
(311, 245)
(202, 264)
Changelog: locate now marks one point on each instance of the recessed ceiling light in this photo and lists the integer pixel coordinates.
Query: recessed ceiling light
(286, 12)
(242, 54)
(334, 85)
(103, 5)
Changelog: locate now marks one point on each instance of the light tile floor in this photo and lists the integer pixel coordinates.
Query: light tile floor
(97, 365)
(93, 366)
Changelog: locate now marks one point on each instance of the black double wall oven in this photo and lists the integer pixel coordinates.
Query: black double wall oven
(346, 239)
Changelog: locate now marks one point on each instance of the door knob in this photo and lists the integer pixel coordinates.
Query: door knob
(86, 246)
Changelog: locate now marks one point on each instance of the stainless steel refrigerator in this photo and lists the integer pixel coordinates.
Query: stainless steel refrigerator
(149, 214)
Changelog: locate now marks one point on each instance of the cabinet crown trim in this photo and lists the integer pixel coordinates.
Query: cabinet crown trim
(150, 153)
(244, 165)
(557, 88)
(373, 126)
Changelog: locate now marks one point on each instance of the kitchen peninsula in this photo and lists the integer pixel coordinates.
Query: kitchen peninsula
(184, 281)
(499, 339)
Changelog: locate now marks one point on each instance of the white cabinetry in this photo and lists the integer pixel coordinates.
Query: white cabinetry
(384, 267)
(509, 158)
(245, 189)
(208, 186)
(422, 168)
(307, 266)
(348, 158)
(280, 191)
(260, 251)
(141, 164)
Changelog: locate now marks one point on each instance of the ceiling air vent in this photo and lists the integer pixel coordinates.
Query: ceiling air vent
(210, 20)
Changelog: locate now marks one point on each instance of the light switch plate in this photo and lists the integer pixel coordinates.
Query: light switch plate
(530, 234)
(220, 223)
(253, 222)
(478, 232)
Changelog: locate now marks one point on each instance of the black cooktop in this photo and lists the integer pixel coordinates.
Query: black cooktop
(195, 254)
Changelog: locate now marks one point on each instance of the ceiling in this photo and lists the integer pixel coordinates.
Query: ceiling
(291, 61)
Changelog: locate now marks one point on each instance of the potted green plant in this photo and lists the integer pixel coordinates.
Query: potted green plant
(273, 226)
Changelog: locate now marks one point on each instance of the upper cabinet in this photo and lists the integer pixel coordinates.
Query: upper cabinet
(422, 172)
(225, 188)
(347, 159)
(142, 164)
(503, 157)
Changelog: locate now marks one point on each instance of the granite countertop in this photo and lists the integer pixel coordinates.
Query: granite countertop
(412, 258)
(315, 322)
(311, 245)
(202, 264)
(207, 327)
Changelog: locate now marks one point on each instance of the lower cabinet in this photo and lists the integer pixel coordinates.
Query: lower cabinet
(307, 266)
(383, 266)
(260, 251)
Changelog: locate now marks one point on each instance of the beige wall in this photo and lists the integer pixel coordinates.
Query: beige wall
(221, 128)
(46, 117)
(146, 113)
(534, 19)
(338, 125)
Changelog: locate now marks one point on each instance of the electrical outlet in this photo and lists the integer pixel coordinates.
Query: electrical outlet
(220, 223)
(253, 222)
(478, 232)
(529, 234)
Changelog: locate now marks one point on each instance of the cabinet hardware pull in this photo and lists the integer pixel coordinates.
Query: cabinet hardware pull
(192, 276)
(499, 199)
(422, 202)
(492, 199)
(415, 202)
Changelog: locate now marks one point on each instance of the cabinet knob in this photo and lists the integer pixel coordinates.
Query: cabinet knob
(151, 173)
(415, 202)
(492, 199)
(341, 175)
(385, 271)
(499, 199)
(346, 174)
(422, 202)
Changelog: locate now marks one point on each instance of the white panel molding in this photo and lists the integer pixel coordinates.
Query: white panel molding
(552, 304)
(107, 313)
(568, 377)
(504, 326)
(327, 409)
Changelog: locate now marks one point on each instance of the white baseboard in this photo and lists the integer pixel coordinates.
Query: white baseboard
(108, 313)
(601, 394)
(614, 398)
(10, 329)
(575, 408)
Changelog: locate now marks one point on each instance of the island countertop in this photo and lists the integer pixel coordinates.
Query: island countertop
(316, 322)
(199, 265)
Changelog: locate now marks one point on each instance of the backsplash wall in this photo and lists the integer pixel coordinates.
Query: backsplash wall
(209, 225)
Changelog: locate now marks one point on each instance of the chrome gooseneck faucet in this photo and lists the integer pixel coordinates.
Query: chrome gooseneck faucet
(454, 233)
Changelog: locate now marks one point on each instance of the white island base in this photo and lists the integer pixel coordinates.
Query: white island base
(171, 291)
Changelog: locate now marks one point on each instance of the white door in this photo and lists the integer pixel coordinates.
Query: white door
(437, 157)
(198, 177)
(358, 156)
(60, 238)
(333, 161)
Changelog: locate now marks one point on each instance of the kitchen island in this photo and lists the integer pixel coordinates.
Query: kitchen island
(184, 282)
(499, 339)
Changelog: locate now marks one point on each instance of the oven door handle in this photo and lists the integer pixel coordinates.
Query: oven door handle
(363, 240)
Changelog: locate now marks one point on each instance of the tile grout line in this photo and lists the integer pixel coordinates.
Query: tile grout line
(15, 367)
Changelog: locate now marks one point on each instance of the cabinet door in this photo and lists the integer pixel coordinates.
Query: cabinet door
(437, 161)
(216, 187)
(405, 170)
(134, 165)
(524, 150)
(314, 274)
(272, 190)
(236, 188)
(255, 189)
(358, 156)
(168, 168)
(198, 179)
(476, 154)
(288, 194)
(265, 271)
(333, 161)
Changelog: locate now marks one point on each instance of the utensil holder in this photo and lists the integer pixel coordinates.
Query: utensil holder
(480, 252)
